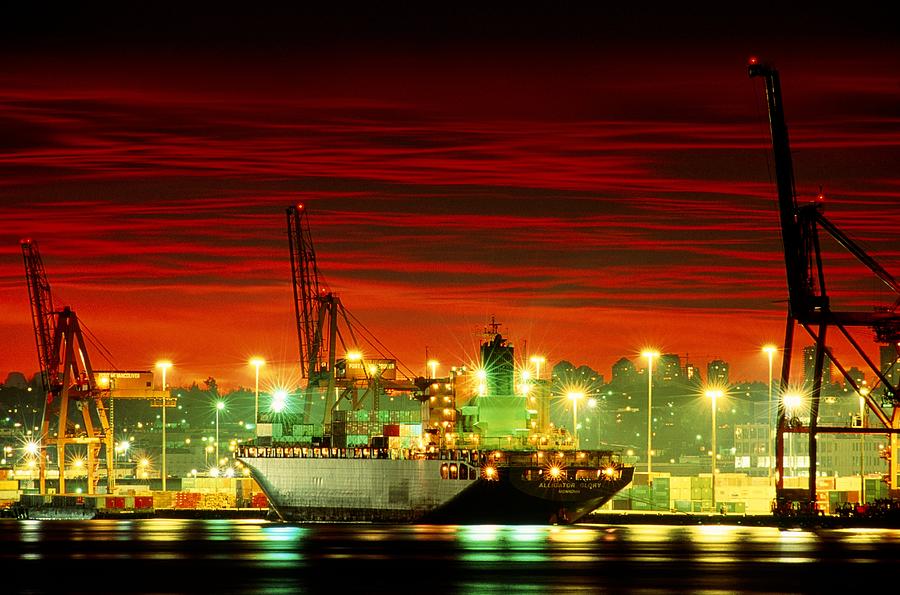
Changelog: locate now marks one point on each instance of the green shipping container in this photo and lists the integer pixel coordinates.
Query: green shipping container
(875, 489)
(701, 482)
(735, 507)
(640, 505)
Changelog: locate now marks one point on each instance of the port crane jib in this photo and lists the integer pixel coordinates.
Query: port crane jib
(324, 325)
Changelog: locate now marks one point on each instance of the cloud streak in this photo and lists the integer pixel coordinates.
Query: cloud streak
(607, 204)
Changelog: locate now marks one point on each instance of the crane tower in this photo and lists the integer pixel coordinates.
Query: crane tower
(68, 381)
(810, 307)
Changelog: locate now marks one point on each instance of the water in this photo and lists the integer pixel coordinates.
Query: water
(254, 556)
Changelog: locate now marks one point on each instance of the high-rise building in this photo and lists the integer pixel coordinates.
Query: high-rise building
(890, 364)
(692, 373)
(669, 368)
(809, 367)
(717, 372)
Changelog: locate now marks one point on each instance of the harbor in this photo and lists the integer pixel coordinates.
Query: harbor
(466, 300)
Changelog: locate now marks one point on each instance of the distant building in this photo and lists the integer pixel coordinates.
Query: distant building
(858, 376)
(838, 454)
(809, 367)
(692, 373)
(752, 449)
(16, 380)
(889, 365)
(624, 372)
(717, 372)
(669, 368)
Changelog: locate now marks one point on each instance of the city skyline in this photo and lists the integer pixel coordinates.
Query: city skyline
(600, 187)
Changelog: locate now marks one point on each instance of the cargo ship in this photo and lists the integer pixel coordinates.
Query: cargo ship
(458, 486)
(467, 448)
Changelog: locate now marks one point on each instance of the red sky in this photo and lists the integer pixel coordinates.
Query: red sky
(598, 182)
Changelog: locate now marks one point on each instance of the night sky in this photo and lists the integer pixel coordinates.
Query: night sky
(598, 181)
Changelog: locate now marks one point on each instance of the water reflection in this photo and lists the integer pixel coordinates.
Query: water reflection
(254, 556)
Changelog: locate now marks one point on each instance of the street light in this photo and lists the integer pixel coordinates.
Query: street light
(714, 394)
(791, 403)
(537, 360)
(164, 365)
(770, 350)
(123, 447)
(575, 396)
(649, 354)
(433, 364)
(279, 401)
(257, 362)
(220, 405)
(863, 391)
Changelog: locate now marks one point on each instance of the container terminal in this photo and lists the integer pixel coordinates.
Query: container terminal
(353, 385)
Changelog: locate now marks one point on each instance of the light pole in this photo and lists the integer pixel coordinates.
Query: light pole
(433, 364)
(791, 404)
(164, 365)
(123, 447)
(714, 394)
(257, 362)
(770, 350)
(863, 391)
(650, 355)
(537, 360)
(543, 399)
(575, 396)
(220, 405)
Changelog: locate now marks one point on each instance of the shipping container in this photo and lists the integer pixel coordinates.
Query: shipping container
(682, 506)
(735, 507)
(621, 504)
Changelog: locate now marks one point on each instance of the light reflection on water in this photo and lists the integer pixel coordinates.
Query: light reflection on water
(255, 556)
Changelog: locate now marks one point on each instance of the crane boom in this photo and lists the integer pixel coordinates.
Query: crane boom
(315, 307)
(309, 292)
(324, 325)
(42, 314)
(796, 257)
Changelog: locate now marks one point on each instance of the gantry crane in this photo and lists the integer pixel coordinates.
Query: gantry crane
(810, 307)
(67, 378)
(322, 324)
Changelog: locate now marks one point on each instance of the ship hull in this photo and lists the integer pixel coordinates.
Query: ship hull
(508, 501)
(422, 491)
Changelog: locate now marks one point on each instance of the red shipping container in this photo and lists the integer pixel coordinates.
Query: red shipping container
(391, 429)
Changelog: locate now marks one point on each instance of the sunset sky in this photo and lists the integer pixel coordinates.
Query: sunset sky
(598, 182)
